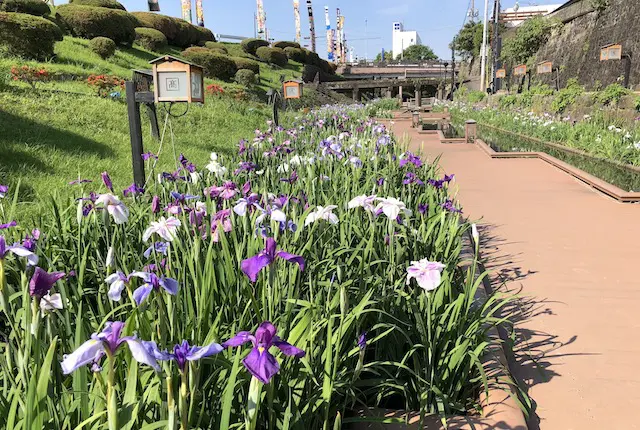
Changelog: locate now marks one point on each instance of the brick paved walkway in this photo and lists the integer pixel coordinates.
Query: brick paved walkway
(573, 256)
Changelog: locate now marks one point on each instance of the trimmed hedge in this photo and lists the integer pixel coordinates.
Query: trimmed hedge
(284, 44)
(215, 65)
(30, 7)
(103, 46)
(109, 4)
(247, 64)
(272, 56)
(296, 54)
(28, 36)
(250, 46)
(216, 45)
(178, 32)
(245, 77)
(150, 38)
(89, 22)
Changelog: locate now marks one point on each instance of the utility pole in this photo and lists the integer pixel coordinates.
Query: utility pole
(472, 12)
(453, 70)
(496, 43)
(483, 64)
(366, 41)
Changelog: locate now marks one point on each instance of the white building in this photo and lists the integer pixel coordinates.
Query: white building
(514, 16)
(402, 39)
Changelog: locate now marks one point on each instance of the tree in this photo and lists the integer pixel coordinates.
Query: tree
(418, 53)
(527, 40)
(387, 57)
(468, 41)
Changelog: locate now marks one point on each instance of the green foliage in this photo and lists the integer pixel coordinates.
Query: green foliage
(27, 36)
(178, 32)
(272, 56)
(151, 39)
(418, 53)
(245, 77)
(388, 57)
(217, 45)
(89, 22)
(284, 44)
(599, 5)
(476, 96)
(611, 95)
(468, 41)
(296, 54)
(637, 104)
(30, 7)
(215, 65)
(109, 4)
(247, 64)
(103, 46)
(251, 45)
(507, 101)
(527, 40)
(567, 96)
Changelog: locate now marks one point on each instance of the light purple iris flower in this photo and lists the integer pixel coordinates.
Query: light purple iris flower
(362, 340)
(133, 190)
(250, 202)
(252, 266)
(42, 281)
(3, 191)
(149, 155)
(109, 340)
(159, 247)
(18, 250)
(183, 352)
(153, 282)
(260, 363)
(117, 282)
(227, 191)
(8, 225)
(273, 212)
(220, 218)
(409, 157)
(182, 198)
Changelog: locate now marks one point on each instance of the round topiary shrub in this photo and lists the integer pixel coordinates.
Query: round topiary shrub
(284, 44)
(245, 77)
(250, 46)
(164, 24)
(178, 32)
(245, 63)
(150, 38)
(109, 4)
(31, 7)
(28, 36)
(215, 65)
(272, 56)
(216, 45)
(204, 35)
(89, 22)
(103, 46)
(296, 54)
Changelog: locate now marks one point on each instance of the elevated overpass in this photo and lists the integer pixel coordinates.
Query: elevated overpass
(430, 69)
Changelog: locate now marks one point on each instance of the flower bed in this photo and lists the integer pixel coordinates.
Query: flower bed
(316, 272)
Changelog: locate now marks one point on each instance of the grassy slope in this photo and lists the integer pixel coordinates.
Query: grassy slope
(62, 131)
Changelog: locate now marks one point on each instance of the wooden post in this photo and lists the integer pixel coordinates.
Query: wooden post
(135, 133)
(418, 95)
(400, 93)
(153, 118)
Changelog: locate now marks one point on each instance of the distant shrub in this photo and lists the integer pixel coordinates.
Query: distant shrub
(30, 7)
(150, 38)
(567, 96)
(109, 4)
(103, 46)
(250, 46)
(178, 32)
(272, 56)
(215, 65)
(28, 36)
(216, 45)
(105, 84)
(296, 54)
(89, 22)
(284, 44)
(30, 75)
(476, 96)
(245, 77)
(245, 63)
(611, 95)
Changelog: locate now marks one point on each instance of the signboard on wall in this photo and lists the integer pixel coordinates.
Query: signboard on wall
(501, 73)
(520, 70)
(545, 67)
(611, 52)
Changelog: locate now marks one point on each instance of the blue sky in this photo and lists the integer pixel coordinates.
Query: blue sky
(437, 21)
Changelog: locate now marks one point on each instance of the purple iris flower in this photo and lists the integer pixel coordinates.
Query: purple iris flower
(149, 155)
(448, 206)
(80, 181)
(3, 190)
(220, 218)
(362, 340)
(109, 341)
(29, 241)
(438, 184)
(380, 182)
(260, 363)
(153, 282)
(291, 179)
(252, 266)
(242, 146)
(8, 225)
(289, 225)
(410, 158)
(190, 167)
(411, 178)
(448, 178)
(42, 281)
(246, 188)
(182, 198)
(245, 166)
(423, 208)
(183, 352)
(133, 189)
(172, 177)
(226, 191)
(159, 247)
(106, 179)
(18, 250)
(155, 204)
